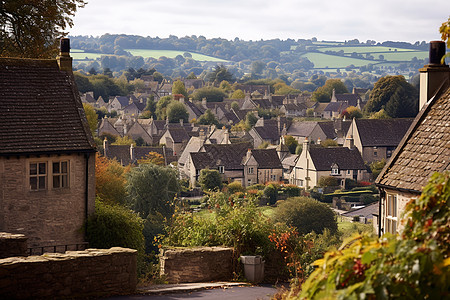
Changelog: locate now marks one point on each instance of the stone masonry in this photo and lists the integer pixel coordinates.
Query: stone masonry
(75, 274)
(12, 245)
(197, 264)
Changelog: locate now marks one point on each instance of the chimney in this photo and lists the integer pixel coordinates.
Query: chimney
(226, 136)
(433, 75)
(64, 60)
(249, 154)
(305, 145)
(204, 103)
(132, 156)
(181, 122)
(105, 147)
(333, 96)
(350, 142)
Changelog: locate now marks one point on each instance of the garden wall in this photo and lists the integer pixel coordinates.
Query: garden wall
(197, 264)
(74, 274)
(12, 245)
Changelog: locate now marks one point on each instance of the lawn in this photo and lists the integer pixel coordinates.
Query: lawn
(171, 54)
(322, 60)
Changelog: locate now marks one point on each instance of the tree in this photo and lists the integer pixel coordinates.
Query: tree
(208, 118)
(212, 94)
(126, 140)
(110, 180)
(152, 189)
(324, 93)
(325, 181)
(291, 143)
(210, 180)
(235, 105)
(352, 112)
(381, 114)
(329, 143)
(179, 88)
(250, 120)
(31, 28)
(177, 111)
(91, 117)
(395, 95)
(219, 74)
(161, 107)
(152, 158)
(191, 76)
(238, 94)
(376, 167)
(306, 214)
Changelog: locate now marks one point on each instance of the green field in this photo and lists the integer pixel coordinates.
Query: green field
(403, 56)
(363, 49)
(322, 61)
(78, 54)
(171, 54)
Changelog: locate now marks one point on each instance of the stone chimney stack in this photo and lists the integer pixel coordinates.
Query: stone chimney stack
(349, 142)
(305, 145)
(204, 103)
(132, 156)
(434, 75)
(226, 136)
(64, 60)
(105, 147)
(249, 154)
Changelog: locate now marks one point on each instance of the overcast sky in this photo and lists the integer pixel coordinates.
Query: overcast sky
(380, 20)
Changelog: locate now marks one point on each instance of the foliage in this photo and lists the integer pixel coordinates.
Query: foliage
(152, 158)
(352, 112)
(328, 181)
(114, 226)
(291, 143)
(238, 94)
(179, 88)
(210, 180)
(250, 120)
(270, 192)
(415, 265)
(152, 189)
(381, 114)
(208, 118)
(291, 190)
(324, 93)
(212, 94)
(31, 28)
(306, 214)
(101, 85)
(376, 167)
(235, 187)
(91, 117)
(329, 143)
(176, 111)
(110, 181)
(161, 107)
(395, 95)
(219, 74)
(445, 35)
(126, 140)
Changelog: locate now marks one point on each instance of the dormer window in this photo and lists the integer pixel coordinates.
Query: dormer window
(221, 169)
(335, 170)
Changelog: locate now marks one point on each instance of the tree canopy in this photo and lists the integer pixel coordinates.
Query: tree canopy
(210, 179)
(177, 111)
(395, 95)
(219, 74)
(212, 94)
(31, 28)
(179, 88)
(324, 93)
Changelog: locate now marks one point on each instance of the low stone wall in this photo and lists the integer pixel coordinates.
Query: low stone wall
(12, 245)
(74, 274)
(197, 264)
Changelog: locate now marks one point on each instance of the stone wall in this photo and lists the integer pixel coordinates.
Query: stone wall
(75, 274)
(197, 264)
(12, 245)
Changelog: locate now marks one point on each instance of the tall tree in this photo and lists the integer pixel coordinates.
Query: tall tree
(31, 28)
(396, 96)
(324, 93)
(219, 74)
(179, 88)
(176, 111)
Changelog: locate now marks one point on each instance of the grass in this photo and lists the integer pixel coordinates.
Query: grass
(171, 54)
(364, 49)
(347, 229)
(322, 60)
(78, 54)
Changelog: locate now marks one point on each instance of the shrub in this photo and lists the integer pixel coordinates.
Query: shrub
(210, 180)
(235, 187)
(328, 181)
(306, 214)
(271, 193)
(290, 190)
(415, 265)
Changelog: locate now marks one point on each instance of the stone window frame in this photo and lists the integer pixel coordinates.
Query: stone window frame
(49, 174)
(250, 170)
(391, 213)
(222, 169)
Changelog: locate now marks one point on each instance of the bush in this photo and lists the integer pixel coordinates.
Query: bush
(290, 190)
(307, 215)
(210, 180)
(328, 181)
(368, 199)
(271, 193)
(115, 226)
(235, 187)
(415, 265)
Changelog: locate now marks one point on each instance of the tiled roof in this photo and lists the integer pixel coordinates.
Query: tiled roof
(351, 99)
(228, 155)
(328, 129)
(266, 158)
(366, 212)
(122, 153)
(336, 106)
(178, 134)
(40, 109)
(262, 103)
(424, 150)
(123, 100)
(194, 108)
(303, 129)
(345, 158)
(385, 132)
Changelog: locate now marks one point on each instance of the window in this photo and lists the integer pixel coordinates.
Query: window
(60, 174)
(375, 152)
(249, 182)
(273, 177)
(335, 170)
(349, 172)
(38, 176)
(221, 169)
(250, 170)
(391, 213)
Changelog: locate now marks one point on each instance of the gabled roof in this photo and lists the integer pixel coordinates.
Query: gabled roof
(328, 128)
(425, 149)
(193, 146)
(228, 155)
(122, 153)
(379, 133)
(123, 100)
(366, 212)
(41, 110)
(336, 106)
(302, 128)
(351, 99)
(178, 134)
(266, 158)
(262, 103)
(345, 158)
(194, 108)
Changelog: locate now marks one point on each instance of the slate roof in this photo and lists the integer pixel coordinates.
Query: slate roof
(123, 100)
(262, 103)
(178, 134)
(302, 128)
(123, 155)
(336, 106)
(351, 99)
(194, 108)
(385, 132)
(328, 128)
(345, 158)
(367, 212)
(267, 158)
(425, 149)
(41, 110)
(228, 155)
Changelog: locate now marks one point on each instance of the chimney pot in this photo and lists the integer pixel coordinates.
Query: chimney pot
(65, 45)
(437, 51)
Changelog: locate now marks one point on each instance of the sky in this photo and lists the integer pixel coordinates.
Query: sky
(336, 20)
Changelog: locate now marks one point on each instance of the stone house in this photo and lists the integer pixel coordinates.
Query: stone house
(175, 138)
(316, 162)
(261, 166)
(424, 150)
(268, 131)
(377, 139)
(47, 152)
